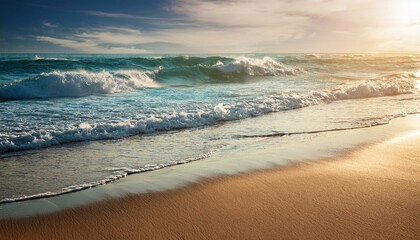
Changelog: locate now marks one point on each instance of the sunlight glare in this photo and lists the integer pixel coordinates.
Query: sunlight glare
(406, 11)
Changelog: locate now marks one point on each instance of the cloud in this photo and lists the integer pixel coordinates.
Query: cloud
(114, 35)
(395, 38)
(211, 26)
(248, 25)
(293, 26)
(151, 20)
(49, 25)
(245, 26)
(89, 46)
(65, 42)
(117, 15)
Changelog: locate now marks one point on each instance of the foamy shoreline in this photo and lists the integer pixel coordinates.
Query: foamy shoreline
(369, 193)
(327, 145)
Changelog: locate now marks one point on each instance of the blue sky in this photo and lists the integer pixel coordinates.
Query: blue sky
(205, 26)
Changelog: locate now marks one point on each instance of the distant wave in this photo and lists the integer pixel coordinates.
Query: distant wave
(201, 115)
(194, 70)
(354, 55)
(313, 55)
(51, 59)
(76, 84)
(223, 70)
(257, 67)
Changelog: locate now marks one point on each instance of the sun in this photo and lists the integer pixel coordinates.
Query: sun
(406, 11)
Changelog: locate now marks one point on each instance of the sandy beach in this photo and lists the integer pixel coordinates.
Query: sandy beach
(370, 193)
(200, 119)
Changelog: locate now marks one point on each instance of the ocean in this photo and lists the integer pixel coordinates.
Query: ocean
(70, 122)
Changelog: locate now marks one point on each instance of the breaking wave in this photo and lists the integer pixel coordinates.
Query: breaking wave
(36, 58)
(257, 67)
(76, 84)
(193, 70)
(204, 114)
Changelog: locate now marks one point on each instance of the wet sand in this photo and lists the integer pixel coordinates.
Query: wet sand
(370, 193)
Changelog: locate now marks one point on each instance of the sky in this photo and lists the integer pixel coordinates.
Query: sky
(209, 26)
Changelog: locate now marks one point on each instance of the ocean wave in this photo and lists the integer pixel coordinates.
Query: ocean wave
(257, 67)
(77, 84)
(206, 114)
(389, 85)
(217, 70)
(313, 55)
(353, 55)
(36, 58)
(181, 70)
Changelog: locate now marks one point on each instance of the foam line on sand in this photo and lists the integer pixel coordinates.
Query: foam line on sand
(371, 193)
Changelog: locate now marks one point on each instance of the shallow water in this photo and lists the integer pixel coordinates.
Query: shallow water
(246, 156)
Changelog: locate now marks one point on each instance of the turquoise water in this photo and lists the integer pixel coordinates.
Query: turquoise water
(70, 122)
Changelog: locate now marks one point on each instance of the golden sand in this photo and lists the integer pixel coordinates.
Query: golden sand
(371, 193)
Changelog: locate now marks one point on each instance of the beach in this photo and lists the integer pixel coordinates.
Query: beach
(371, 192)
(198, 119)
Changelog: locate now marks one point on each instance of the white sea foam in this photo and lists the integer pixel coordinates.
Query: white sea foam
(81, 83)
(354, 55)
(257, 67)
(77, 83)
(52, 59)
(201, 115)
(313, 55)
(389, 85)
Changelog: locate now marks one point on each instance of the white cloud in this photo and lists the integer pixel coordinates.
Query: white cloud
(395, 39)
(253, 26)
(299, 25)
(49, 25)
(88, 46)
(267, 13)
(269, 25)
(116, 15)
(112, 35)
(66, 43)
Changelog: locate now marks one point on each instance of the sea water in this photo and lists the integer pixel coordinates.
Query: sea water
(73, 122)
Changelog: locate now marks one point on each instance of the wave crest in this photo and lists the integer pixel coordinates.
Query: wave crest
(201, 115)
(77, 84)
(36, 58)
(257, 67)
(390, 85)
